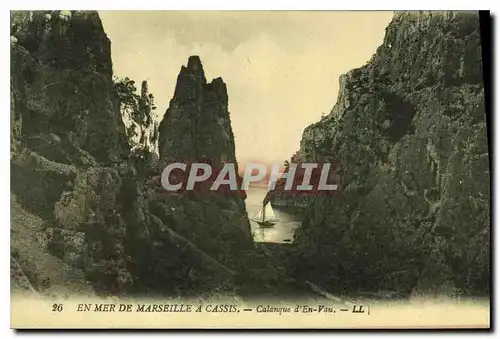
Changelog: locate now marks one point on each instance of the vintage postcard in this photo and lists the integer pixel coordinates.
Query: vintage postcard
(250, 169)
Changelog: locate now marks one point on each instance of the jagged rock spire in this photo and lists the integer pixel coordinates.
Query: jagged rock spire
(197, 125)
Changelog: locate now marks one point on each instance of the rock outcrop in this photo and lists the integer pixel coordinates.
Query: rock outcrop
(408, 136)
(59, 61)
(137, 112)
(197, 127)
(197, 124)
(83, 202)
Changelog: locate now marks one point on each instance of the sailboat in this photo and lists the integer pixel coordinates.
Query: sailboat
(266, 216)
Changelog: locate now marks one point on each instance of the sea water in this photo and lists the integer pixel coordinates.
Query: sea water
(281, 232)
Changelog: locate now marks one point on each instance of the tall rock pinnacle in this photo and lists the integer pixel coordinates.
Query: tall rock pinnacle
(190, 81)
(197, 125)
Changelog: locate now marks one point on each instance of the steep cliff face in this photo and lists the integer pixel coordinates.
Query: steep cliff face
(408, 136)
(65, 125)
(58, 59)
(197, 127)
(86, 210)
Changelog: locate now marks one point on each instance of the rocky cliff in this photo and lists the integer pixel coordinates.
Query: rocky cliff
(408, 137)
(88, 214)
(197, 123)
(197, 127)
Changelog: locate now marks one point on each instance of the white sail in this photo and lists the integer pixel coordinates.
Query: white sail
(270, 215)
(265, 214)
(258, 217)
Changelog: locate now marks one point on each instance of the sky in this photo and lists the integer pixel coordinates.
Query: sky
(281, 68)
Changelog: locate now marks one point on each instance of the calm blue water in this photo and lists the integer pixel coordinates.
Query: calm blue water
(282, 231)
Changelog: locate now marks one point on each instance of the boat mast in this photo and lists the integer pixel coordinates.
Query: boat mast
(263, 212)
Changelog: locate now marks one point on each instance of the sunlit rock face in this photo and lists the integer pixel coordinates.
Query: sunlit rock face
(408, 136)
